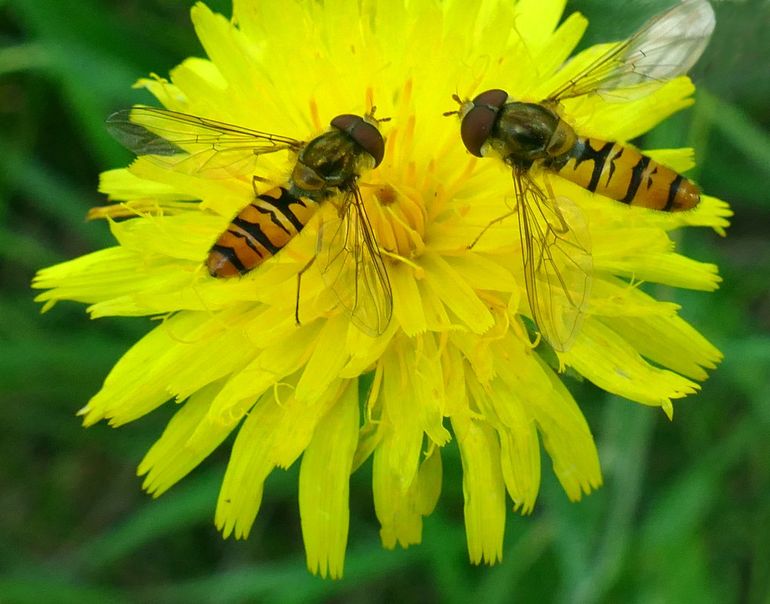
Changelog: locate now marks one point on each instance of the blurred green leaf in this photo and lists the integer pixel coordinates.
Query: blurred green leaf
(593, 550)
(189, 504)
(747, 137)
(747, 361)
(54, 196)
(50, 589)
(500, 584)
(23, 57)
(25, 250)
(289, 581)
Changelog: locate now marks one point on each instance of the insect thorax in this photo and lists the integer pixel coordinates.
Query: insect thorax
(526, 132)
(332, 160)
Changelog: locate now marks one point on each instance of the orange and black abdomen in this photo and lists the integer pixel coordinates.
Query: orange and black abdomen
(258, 232)
(622, 173)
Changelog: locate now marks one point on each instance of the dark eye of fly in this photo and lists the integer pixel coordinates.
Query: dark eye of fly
(363, 133)
(479, 121)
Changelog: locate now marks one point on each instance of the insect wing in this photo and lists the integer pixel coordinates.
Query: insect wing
(666, 46)
(192, 144)
(352, 267)
(557, 261)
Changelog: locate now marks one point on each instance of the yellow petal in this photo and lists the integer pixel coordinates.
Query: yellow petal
(394, 502)
(123, 184)
(610, 362)
(172, 457)
(666, 339)
(483, 489)
(324, 486)
(429, 480)
(679, 160)
(269, 367)
(536, 20)
(139, 381)
(568, 440)
(250, 463)
(407, 303)
(607, 120)
(299, 421)
(502, 408)
(400, 507)
(327, 360)
(457, 295)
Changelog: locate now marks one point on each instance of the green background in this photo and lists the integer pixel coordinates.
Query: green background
(685, 511)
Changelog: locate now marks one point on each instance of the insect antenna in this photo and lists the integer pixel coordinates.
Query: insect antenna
(456, 98)
(369, 116)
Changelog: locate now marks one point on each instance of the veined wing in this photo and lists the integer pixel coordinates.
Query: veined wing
(352, 266)
(556, 254)
(192, 144)
(665, 47)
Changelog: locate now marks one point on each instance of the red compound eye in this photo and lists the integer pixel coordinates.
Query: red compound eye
(479, 121)
(363, 133)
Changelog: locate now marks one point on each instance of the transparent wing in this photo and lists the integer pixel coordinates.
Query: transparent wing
(352, 266)
(556, 254)
(666, 46)
(192, 144)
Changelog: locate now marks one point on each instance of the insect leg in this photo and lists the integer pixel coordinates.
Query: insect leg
(318, 245)
(495, 221)
(563, 227)
(254, 180)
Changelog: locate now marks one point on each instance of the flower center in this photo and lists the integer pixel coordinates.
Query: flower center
(397, 217)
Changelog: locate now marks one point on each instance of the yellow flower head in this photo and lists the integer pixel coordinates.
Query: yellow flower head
(456, 361)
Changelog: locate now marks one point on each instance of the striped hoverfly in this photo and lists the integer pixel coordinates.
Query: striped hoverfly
(327, 170)
(533, 139)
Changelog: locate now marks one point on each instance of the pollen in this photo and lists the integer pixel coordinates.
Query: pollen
(385, 194)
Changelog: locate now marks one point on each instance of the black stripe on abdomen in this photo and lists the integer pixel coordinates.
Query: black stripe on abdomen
(254, 230)
(599, 158)
(231, 256)
(636, 179)
(583, 151)
(281, 204)
(673, 189)
(249, 241)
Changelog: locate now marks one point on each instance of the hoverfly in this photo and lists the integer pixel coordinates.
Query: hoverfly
(532, 138)
(327, 169)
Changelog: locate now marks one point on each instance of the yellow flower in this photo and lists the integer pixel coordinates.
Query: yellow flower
(455, 364)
